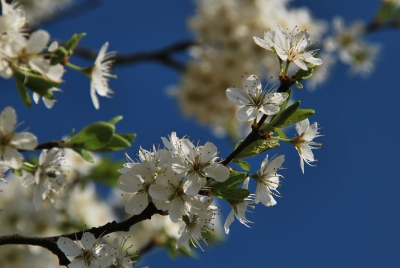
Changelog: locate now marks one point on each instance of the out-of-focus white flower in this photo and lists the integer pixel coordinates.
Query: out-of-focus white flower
(99, 74)
(362, 58)
(48, 176)
(255, 100)
(121, 257)
(197, 163)
(239, 209)
(3, 169)
(41, 10)
(304, 143)
(47, 102)
(11, 142)
(321, 73)
(268, 181)
(85, 252)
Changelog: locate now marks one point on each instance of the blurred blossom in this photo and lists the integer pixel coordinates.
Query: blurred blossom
(223, 30)
(321, 73)
(41, 10)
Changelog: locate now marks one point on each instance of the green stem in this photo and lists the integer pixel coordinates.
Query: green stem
(76, 67)
(280, 139)
(287, 67)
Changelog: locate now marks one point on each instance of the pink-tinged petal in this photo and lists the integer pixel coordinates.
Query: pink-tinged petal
(12, 158)
(137, 204)
(270, 109)
(37, 41)
(253, 84)
(208, 152)
(218, 172)
(176, 210)
(311, 132)
(301, 64)
(302, 126)
(192, 185)
(237, 96)
(88, 241)
(8, 120)
(247, 113)
(24, 141)
(95, 100)
(69, 247)
(129, 183)
(229, 221)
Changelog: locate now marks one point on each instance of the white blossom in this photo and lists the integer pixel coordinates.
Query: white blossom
(98, 75)
(11, 142)
(304, 143)
(268, 181)
(255, 100)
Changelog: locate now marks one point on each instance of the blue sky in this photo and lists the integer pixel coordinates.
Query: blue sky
(342, 213)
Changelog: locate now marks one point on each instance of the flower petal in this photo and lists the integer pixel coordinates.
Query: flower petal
(229, 221)
(237, 96)
(69, 247)
(247, 113)
(24, 141)
(218, 172)
(137, 204)
(37, 41)
(8, 120)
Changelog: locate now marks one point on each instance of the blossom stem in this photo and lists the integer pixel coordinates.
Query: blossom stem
(287, 67)
(76, 67)
(280, 139)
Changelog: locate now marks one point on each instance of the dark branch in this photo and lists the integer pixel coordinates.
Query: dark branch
(50, 243)
(164, 55)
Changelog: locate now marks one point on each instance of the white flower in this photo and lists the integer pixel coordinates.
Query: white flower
(86, 251)
(304, 142)
(47, 102)
(99, 72)
(3, 169)
(48, 176)
(137, 182)
(254, 99)
(268, 181)
(168, 194)
(10, 141)
(172, 144)
(289, 46)
(361, 58)
(239, 209)
(197, 163)
(121, 258)
(192, 227)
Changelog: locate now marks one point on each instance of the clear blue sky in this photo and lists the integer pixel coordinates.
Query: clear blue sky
(343, 213)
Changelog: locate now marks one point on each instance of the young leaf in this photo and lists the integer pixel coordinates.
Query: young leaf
(26, 99)
(115, 120)
(36, 82)
(280, 132)
(283, 116)
(230, 193)
(73, 41)
(85, 155)
(243, 164)
(257, 147)
(116, 143)
(92, 137)
(128, 136)
(298, 116)
(235, 178)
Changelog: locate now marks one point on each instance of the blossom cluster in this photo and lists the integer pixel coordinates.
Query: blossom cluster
(172, 178)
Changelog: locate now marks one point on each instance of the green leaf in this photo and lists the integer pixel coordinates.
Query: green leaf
(116, 143)
(85, 155)
(285, 103)
(257, 147)
(235, 178)
(128, 136)
(115, 120)
(74, 41)
(298, 116)
(280, 133)
(283, 116)
(299, 85)
(242, 164)
(26, 99)
(304, 74)
(230, 193)
(36, 82)
(58, 55)
(92, 137)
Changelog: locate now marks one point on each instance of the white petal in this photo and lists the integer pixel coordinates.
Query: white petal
(253, 84)
(274, 165)
(315, 61)
(77, 264)
(208, 152)
(69, 247)
(302, 126)
(179, 165)
(218, 172)
(311, 132)
(137, 204)
(55, 72)
(102, 52)
(53, 46)
(301, 64)
(262, 43)
(160, 191)
(192, 185)
(176, 210)
(88, 241)
(36, 97)
(237, 96)
(95, 100)
(48, 103)
(229, 221)
(8, 120)
(129, 183)
(247, 113)
(24, 141)
(12, 158)
(37, 41)
(270, 109)
(39, 195)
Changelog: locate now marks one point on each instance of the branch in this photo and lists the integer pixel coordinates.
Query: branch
(163, 56)
(50, 243)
